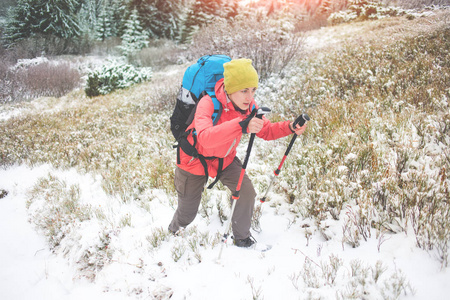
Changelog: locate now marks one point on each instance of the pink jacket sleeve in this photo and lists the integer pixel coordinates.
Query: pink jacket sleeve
(229, 131)
(273, 131)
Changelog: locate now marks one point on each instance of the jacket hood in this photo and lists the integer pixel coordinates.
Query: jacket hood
(220, 92)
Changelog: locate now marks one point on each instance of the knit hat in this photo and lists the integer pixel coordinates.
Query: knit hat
(239, 74)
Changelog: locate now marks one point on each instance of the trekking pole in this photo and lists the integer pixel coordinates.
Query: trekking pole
(300, 121)
(235, 197)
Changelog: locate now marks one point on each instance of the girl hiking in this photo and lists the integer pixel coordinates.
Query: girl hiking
(218, 144)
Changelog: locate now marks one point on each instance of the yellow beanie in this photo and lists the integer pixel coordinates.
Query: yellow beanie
(239, 74)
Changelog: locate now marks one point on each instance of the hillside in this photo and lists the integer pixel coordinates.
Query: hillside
(360, 210)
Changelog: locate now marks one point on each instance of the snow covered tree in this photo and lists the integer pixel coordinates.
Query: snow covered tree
(118, 10)
(103, 25)
(229, 9)
(57, 17)
(18, 25)
(134, 37)
(49, 18)
(161, 18)
(326, 7)
(89, 12)
(204, 12)
(6, 4)
(330, 6)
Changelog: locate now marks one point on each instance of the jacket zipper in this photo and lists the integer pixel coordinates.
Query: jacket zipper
(229, 150)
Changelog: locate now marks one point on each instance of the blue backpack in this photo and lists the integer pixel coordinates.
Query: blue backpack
(199, 80)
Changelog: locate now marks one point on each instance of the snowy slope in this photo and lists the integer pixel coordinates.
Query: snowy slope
(123, 251)
(31, 271)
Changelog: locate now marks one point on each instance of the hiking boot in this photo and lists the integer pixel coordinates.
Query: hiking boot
(179, 232)
(245, 243)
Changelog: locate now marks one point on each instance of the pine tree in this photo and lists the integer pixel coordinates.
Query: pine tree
(118, 10)
(18, 26)
(202, 13)
(52, 18)
(6, 4)
(88, 16)
(325, 9)
(134, 37)
(103, 26)
(58, 17)
(330, 6)
(162, 18)
(231, 9)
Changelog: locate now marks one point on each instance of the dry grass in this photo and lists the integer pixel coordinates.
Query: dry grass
(376, 153)
(123, 140)
(377, 150)
(376, 32)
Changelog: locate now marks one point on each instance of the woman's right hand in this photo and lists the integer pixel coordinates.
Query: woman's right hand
(255, 125)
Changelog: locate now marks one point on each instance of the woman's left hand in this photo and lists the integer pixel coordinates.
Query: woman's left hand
(297, 130)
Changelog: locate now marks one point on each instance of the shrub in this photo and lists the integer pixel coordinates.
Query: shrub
(380, 140)
(269, 43)
(416, 3)
(39, 77)
(360, 10)
(114, 75)
(55, 208)
(116, 145)
(50, 45)
(159, 55)
(3, 193)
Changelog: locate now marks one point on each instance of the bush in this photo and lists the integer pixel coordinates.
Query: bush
(269, 43)
(416, 3)
(3, 193)
(50, 45)
(364, 10)
(55, 208)
(38, 77)
(114, 76)
(380, 140)
(159, 55)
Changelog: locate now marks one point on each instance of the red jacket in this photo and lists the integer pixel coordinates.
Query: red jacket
(222, 139)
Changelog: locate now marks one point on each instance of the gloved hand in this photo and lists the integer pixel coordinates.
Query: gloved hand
(244, 123)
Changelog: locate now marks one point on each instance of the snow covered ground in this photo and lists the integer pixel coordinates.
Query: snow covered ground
(143, 262)
(31, 271)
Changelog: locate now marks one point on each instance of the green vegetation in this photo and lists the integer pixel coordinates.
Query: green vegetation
(375, 156)
(112, 76)
(378, 141)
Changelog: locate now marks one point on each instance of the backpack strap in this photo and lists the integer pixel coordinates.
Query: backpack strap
(190, 150)
(217, 108)
(219, 173)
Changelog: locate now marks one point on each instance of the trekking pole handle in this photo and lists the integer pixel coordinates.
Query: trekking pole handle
(301, 120)
(262, 111)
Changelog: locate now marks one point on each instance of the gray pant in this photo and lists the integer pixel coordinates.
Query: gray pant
(190, 188)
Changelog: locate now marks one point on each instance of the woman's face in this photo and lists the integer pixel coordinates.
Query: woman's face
(243, 98)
